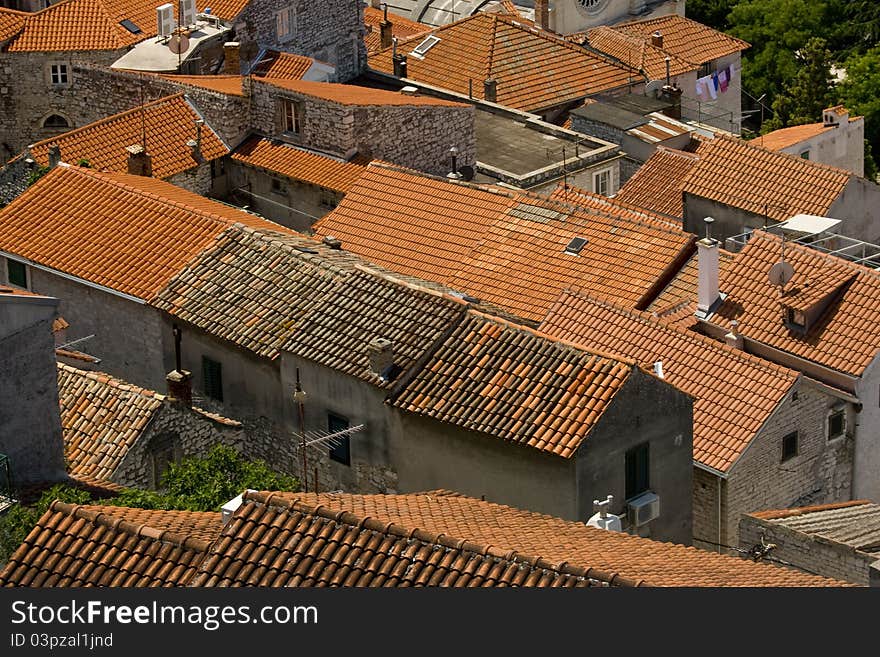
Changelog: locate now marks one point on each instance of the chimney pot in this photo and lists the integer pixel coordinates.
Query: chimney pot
(490, 90)
(232, 58)
(180, 387)
(54, 155)
(657, 39)
(733, 338)
(139, 162)
(399, 65)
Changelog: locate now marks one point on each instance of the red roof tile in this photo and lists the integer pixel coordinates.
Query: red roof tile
(284, 65)
(686, 39)
(533, 69)
(843, 338)
(657, 185)
(349, 94)
(169, 124)
(99, 226)
(785, 137)
(298, 164)
(229, 85)
(400, 27)
(613, 206)
(638, 53)
(722, 380)
(11, 22)
(777, 514)
(225, 9)
(613, 554)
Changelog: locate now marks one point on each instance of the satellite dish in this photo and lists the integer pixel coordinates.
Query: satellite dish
(780, 273)
(178, 43)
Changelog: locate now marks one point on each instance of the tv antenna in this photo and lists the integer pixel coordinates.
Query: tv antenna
(782, 272)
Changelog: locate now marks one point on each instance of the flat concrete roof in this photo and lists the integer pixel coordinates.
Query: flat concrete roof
(154, 55)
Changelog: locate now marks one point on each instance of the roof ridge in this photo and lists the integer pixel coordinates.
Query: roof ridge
(778, 514)
(647, 319)
(793, 158)
(399, 531)
(396, 279)
(649, 215)
(490, 59)
(118, 524)
(681, 19)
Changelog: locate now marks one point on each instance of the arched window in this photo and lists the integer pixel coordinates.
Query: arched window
(55, 121)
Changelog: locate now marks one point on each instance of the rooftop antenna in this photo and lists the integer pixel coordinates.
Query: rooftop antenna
(299, 397)
(782, 272)
(177, 336)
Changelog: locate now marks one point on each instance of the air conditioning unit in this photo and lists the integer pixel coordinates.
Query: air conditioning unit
(165, 20)
(187, 13)
(643, 509)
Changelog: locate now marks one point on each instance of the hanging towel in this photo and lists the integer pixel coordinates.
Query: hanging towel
(722, 80)
(715, 81)
(710, 85)
(700, 87)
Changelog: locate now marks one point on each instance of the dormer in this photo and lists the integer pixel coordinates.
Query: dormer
(834, 116)
(805, 302)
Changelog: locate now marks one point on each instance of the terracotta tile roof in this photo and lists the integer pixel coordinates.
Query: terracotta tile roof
(251, 287)
(352, 95)
(683, 288)
(613, 206)
(226, 9)
(298, 164)
(276, 542)
(285, 65)
(842, 338)
(58, 324)
(515, 384)
(401, 27)
(169, 124)
(785, 137)
(617, 554)
(369, 305)
(81, 25)
(657, 185)
(203, 525)
(11, 22)
(758, 180)
(779, 514)
(853, 525)
(228, 85)
(503, 247)
(533, 69)
(734, 392)
(89, 546)
(98, 226)
(686, 39)
(638, 53)
(101, 418)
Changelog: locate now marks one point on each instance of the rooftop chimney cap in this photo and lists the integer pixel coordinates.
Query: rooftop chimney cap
(332, 242)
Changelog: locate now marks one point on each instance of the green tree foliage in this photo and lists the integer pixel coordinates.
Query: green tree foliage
(860, 94)
(713, 13)
(853, 26)
(36, 174)
(809, 92)
(776, 29)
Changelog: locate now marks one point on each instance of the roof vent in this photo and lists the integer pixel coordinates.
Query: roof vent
(602, 519)
(576, 245)
(420, 50)
(332, 242)
(409, 90)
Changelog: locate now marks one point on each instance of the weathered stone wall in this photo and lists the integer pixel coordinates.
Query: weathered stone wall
(331, 31)
(820, 473)
(191, 432)
(14, 179)
(197, 180)
(813, 553)
(27, 95)
(707, 490)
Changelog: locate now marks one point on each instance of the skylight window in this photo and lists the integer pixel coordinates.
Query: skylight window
(130, 26)
(574, 247)
(420, 50)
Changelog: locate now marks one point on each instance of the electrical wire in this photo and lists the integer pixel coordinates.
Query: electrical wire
(751, 552)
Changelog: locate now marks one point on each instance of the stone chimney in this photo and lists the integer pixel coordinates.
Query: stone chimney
(180, 387)
(139, 162)
(381, 354)
(232, 58)
(657, 39)
(733, 337)
(490, 90)
(671, 93)
(54, 155)
(542, 14)
(707, 264)
(399, 62)
(385, 29)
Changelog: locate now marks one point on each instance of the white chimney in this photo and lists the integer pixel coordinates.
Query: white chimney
(707, 263)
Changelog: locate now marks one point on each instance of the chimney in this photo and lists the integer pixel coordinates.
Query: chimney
(658, 369)
(542, 14)
(54, 155)
(385, 29)
(332, 242)
(671, 93)
(733, 338)
(381, 355)
(231, 58)
(180, 387)
(657, 39)
(490, 90)
(399, 65)
(139, 163)
(707, 263)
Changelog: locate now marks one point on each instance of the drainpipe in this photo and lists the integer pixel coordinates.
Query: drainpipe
(719, 515)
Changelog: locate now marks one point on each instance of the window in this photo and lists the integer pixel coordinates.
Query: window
(637, 471)
(218, 168)
(163, 450)
(291, 117)
(212, 372)
(56, 121)
(576, 245)
(805, 155)
(341, 453)
(797, 319)
(328, 198)
(790, 446)
(836, 423)
(58, 74)
(279, 186)
(602, 182)
(285, 23)
(706, 69)
(420, 50)
(794, 396)
(16, 273)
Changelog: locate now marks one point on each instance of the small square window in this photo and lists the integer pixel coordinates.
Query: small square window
(291, 117)
(279, 186)
(328, 198)
(805, 155)
(16, 273)
(790, 446)
(836, 424)
(59, 74)
(341, 452)
(602, 182)
(285, 23)
(212, 372)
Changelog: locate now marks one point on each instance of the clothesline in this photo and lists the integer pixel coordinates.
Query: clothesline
(714, 83)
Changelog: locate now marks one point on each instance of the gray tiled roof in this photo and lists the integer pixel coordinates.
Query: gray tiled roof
(371, 305)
